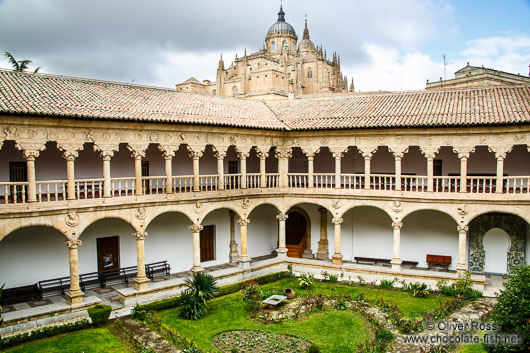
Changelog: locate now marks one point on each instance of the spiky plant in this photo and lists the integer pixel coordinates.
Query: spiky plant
(200, 288)
(19, 65)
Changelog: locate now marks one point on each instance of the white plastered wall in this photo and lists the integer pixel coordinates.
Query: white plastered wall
(368, 233)
(429, 232)
(32, 254)
(101, 229)
(262, 232)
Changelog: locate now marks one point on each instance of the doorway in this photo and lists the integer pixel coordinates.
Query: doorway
(108, 253)
(207, 237)
(296, 234)
(496, 244)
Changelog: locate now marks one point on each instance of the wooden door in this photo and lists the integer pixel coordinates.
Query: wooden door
(18, 172)
(208, 243)
(108, 253)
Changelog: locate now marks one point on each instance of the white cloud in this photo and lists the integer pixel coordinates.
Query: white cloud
(390, 69)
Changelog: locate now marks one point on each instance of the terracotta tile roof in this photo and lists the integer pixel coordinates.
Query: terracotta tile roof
(41, 94)
(459, 107)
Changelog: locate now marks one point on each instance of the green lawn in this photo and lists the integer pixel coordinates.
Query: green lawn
(96, 340)
(228, 313)
(472, 348)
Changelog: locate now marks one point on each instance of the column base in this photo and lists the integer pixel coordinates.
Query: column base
(244, 262)
(233, 256)
(396, 264)
(337, 259)
(281, 253)
(75, 298)
(308, 254)
(141, 283)
(196, 269)
(461, 267)
(322, 255)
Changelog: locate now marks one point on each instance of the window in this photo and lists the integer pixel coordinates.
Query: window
(284, 43)
(309, 73)
(293, 47)
(273, 46)
(234, 91)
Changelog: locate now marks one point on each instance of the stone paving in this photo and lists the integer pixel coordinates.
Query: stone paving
(149, 339)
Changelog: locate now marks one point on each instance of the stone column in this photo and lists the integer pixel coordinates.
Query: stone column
(310, 168)
(244, 260)
(196, 232)
(337, 256)
(234, 254)
(74, 295)
(367, 158)
(220, 170)
(138, 173)
(499, 184)
(141, 282)
(396, 257)
(30, 157)
(70, 175)
(106, 175)
(323, 250)
(282, 248)
(196, 183)
(461, 265)
(168, 157)
(338, 183)
(463, 171)
(430, 172)
(262, 175)
(397, 162)
(243, 164)
(283, 166)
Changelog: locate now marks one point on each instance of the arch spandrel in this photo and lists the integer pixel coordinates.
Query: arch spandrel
(9, 226)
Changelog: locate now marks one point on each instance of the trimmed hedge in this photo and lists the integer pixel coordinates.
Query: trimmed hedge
(174, 302)
(43, 333)
(99, 314)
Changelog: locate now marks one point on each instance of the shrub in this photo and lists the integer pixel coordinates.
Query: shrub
(333, 278)
(386, 284)
(419, 289)
(200, 288)
(512, 310)
(99, 314)
(306, 280)
(290, 271)
(233, 288)
(252, 295)
(313, 349)
(464, 282)
(193, 308)
(138, 312)
(325, 275)
(384, 335)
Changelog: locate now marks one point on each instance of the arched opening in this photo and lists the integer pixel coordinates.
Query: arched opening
(14, 163)
(50, 174)
(153, 170)
(324, 168)
(309, 73)
(297, 168)
(496, 244)
(382, 169)
(234, 91)
(32, 254)
(232, 169)
(505, 246)
(297, 232)
(517, 163)
(253, 173)
(262, 232)
(208, 169)
(446, 164)
(414, 170)
(273, 46)
(89, 166)
(429, 232)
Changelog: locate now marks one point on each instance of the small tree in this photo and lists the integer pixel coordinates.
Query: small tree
(200, 288)
(512, 311)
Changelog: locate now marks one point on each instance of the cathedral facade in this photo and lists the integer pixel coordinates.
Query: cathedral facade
(283, 67)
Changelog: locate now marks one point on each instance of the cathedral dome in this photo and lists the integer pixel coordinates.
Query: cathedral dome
(281, 27)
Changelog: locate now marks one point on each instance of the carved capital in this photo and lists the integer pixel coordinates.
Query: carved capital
(397, 225)
(243, 221)
(338, 155)
(283, 153)
(106, 150)
(462, 229)
(220, 155)
(196, 228)
(168, 151)
(140, 235)
(429, 151)
(195, 155)
(243, 155)
(337, 220)
(30, 150)
(262, 155)
(367, 155)
(70, 150)
(502, 151)
(282, 217)
(137, 149)
(464, 152)
(73, 244)
(309, 152)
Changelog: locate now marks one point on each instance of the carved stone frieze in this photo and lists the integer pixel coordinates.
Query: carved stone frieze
(72, 219)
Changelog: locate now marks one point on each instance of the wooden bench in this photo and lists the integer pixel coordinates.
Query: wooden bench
(55, 286)
(409, 263)
(372, 260)
(89, 280)
(20, 294)
(161, 267)
(117, 276)
(439, 261)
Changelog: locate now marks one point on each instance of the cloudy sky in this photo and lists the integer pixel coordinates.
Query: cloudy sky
(384, 44)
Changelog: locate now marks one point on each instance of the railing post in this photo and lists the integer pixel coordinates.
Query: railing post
(243, 164)
(220, 170)
(74, 295)
(462, 248)
(337, 156)
(282, 248)
(396, 257)
(196, 232)
(367, 158)
(244, 260)
(141, 282)
(337, 256)
(262, 175)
